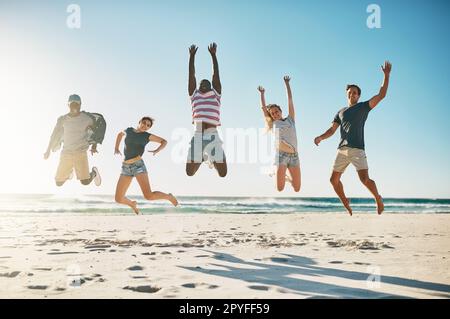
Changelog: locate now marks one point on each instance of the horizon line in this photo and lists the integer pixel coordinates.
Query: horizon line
(240, 196)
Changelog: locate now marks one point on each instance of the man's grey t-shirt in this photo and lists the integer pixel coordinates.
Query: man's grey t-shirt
(352, 120)
(75, 135)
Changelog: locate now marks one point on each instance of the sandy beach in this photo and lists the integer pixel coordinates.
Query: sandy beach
(225, 256)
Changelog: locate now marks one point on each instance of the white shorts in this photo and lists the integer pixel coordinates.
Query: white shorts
(347, 155)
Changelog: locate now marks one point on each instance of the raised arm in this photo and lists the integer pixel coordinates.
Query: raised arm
(289, 95)
(192, 81)
(118, 140)
(386, 68)
(212, 48)
(262, 92)
(327, 134)
(162, 143)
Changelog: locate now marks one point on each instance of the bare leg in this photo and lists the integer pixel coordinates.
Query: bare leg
(372, 187)
(60, 183)
(192, 168)
(221, 168)
(281, 177)
(144, 183)
(121, 189)
(339, 189)
(89, 180)
(295, 173)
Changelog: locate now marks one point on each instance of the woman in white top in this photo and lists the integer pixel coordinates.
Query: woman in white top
(286, 139)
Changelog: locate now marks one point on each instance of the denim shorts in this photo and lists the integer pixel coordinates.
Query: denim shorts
(134, 169)
(287, 159)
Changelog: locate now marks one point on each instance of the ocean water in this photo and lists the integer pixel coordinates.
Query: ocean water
(104, 204)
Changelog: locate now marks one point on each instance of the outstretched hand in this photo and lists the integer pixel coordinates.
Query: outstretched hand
(286, 79)
(193, 49)
(261, 89)
(386, 68)
(154, 152)
(46, 155)
(117, 152)
(317, 140)
(212, 48)
(93, 150)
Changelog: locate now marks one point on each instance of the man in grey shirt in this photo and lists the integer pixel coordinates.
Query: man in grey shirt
(74, 130)
(351, 148)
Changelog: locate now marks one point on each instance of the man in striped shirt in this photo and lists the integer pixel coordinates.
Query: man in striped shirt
(206, 144)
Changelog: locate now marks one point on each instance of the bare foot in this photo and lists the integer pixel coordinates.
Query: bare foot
(173, 200)
(380, 204)
(134, 206)
(346, 204)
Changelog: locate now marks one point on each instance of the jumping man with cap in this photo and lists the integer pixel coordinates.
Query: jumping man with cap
(77, 130)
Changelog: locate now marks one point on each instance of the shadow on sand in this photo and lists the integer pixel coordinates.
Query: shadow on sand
(281, 269)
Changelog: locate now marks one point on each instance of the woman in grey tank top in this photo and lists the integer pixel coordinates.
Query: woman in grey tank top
(286, 139)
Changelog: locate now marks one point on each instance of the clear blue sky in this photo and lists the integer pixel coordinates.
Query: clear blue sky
(129, 59)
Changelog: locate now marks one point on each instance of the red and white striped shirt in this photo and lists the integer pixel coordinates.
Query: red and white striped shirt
(206, 107)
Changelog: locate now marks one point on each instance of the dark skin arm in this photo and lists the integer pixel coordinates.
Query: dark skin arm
(192, 81)
(212, 48)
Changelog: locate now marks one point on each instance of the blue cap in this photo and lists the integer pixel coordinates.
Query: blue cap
(75, 98)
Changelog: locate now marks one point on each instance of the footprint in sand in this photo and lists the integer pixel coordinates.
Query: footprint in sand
(63, 253)
(279, 260)
(193, 285)
(97, 247)
(38, 287)
(135, 268)
(336, 262)
(283, 291)
(144, 289)
(13, 274)
(166, 253)
(43, 269)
